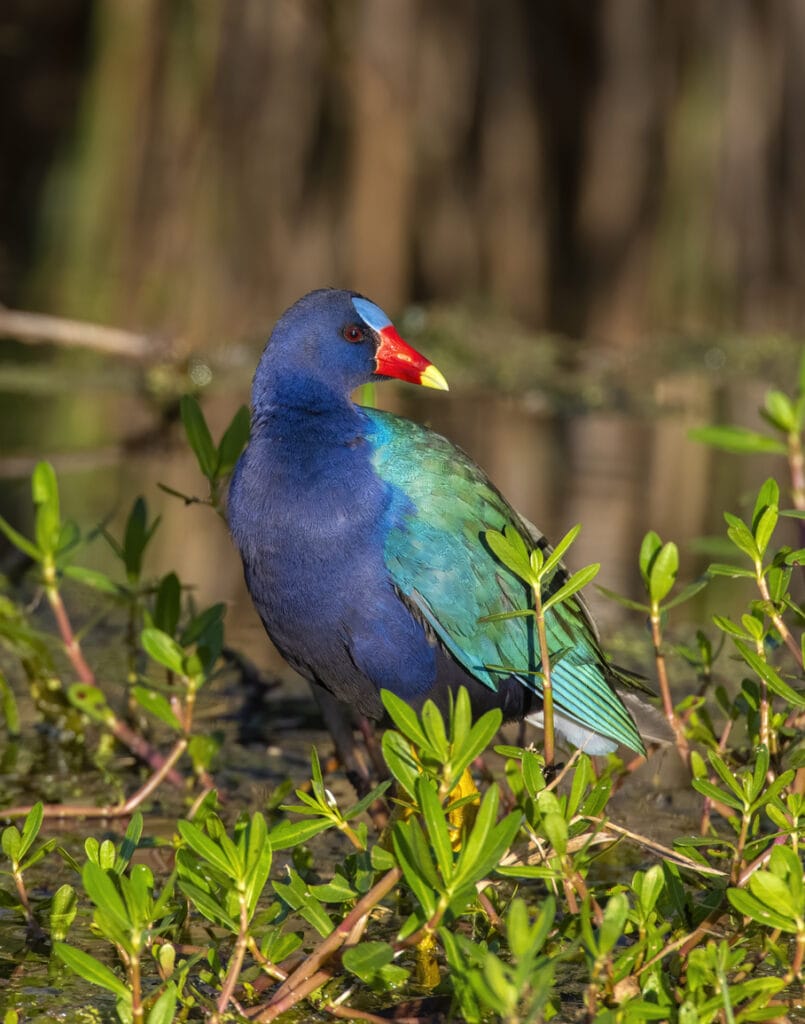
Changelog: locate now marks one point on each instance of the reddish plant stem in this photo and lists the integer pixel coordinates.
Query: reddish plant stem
(547, 688)
(108, 810)
(263, 1014)
(707, 807)
(235, 963)
(665, 689)
(776, 618)
(140, 747)
(349, 1013)
(337, 937)
(72, 646)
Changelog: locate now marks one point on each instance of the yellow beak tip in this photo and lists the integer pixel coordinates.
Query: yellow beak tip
(434, 378)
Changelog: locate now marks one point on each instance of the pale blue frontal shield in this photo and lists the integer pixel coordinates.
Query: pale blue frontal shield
(371, 314)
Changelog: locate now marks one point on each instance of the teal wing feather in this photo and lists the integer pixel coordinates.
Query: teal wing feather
(436, 554)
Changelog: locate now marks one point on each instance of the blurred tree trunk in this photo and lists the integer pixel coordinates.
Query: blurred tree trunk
(618, 196)
(594, 168)
(379, 198)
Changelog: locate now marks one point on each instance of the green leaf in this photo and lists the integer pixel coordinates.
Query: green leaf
(198, 629)
(649, 549)
(206, 904)
(11, 843)
(663, 572)
(136, 536)
(765, 528)
(168, 604)
(131, 840)
(627, 602)
(476, 742)
(207, 849)
(728, 626)
(30, 830)
(288, 834)
(92, 970)
(91, 701)
(92, 578)
(779, 411)
(233, 442)
(157, 705)
(104, 894)
(487, 842)
(768, 494)
(163, 649)
(722, 770)
(738, 440)
(557, 553)
(708, 789)
(198, 435)
(555, 828)
(26, 546)
(62, 911)
(574, 584)
(8, 708)
(366, 959)
(741, 536)
(164, 1009)
(434, 816)
(750, 906)
(299, 897)
(614, 919)
(648, 885)
(731, 571)
(45, 491)
(774, 894)
(773, 680)
(417, 864)
(510, 550)
(400, 759)
(686, 593)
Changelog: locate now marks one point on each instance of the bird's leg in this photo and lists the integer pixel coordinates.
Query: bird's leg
(338, 723)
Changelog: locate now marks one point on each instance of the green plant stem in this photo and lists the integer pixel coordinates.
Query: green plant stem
(737, 860)
(764, 698)
(545, 669)
(135, 984)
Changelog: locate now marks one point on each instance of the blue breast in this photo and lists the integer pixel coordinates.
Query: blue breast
(312, 521)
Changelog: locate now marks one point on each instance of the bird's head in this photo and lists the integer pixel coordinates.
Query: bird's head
(338, 340)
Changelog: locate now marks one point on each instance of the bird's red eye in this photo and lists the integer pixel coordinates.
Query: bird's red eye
(353, 333)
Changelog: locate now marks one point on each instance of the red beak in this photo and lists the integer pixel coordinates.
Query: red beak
(396, 358)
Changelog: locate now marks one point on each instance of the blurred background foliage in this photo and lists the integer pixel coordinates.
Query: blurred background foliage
(599, 169)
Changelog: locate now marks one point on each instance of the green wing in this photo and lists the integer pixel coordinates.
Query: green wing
(436, 553)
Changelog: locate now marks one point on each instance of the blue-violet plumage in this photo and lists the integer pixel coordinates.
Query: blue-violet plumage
(362, 536)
